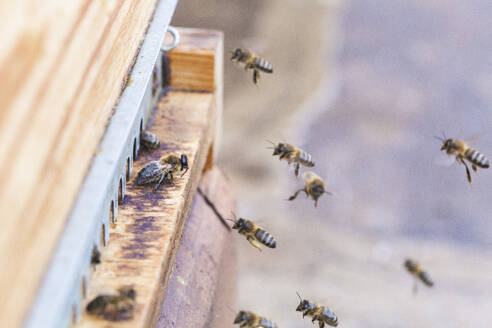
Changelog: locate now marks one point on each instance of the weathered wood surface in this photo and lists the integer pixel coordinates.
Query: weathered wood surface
(199, 59)
(145, 238)
(201, 290)
(62, 64)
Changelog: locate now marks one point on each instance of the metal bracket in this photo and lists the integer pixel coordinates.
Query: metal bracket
(58, 303)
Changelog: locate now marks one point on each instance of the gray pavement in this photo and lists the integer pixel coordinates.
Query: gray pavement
(408, 70)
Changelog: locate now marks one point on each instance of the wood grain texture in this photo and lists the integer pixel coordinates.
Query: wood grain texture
(198, 58)
(62, 65)
(201, 290)
(145, 238)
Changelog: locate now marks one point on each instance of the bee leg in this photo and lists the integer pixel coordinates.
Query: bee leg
(297, 193)
(468, 174)
(415, 287)
(253, 242)
(256, 76)
(297, 170)
(186, 170)
(160, 181)
(474, 167)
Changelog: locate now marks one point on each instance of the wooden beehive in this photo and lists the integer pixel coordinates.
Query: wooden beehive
(62, 77)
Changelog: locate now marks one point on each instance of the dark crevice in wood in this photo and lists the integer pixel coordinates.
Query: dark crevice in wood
(214, 209)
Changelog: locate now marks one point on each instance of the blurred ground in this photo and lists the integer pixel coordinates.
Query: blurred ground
(407, 70)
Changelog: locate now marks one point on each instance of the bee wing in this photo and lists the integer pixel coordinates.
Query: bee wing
(167, 166)
(477, 136)
(254, 44)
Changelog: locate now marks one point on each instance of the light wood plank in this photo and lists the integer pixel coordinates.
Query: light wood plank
(145, 239)
(62, 65)
(205, 265)
(198, 59)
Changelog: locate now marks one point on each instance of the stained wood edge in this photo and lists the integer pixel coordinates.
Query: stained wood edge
(201, 289)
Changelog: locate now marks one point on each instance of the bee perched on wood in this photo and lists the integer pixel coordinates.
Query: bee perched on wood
(252, 61)
(416, 270)
(95, 257)
(292, 154)
(250, 320)
(149, 140)
(254, 234)
(460, 149)
(314, 187)
(163, 169)
(317, 312)
(114, 307)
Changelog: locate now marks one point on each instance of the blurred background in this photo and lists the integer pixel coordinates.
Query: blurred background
(363, 86)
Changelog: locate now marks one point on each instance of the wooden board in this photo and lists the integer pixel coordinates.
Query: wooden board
(199, 59)
(144, 241)
(201, 290)
(62, 65)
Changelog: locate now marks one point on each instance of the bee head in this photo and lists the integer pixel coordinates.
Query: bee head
(303, 306)
(236, 53)
(128, 292)
(184, 162)
(410, 264)
(240, 317)
(280, 149)
(446, 144)
(238, 224)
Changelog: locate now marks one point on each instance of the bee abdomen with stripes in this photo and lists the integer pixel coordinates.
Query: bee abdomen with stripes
(425, 278)
(306, 159)
(265, 238)
(263, 65)
(477, 158)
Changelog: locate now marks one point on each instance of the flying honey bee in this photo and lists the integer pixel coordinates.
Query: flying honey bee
(462, 151)
(252, 61)
(158, 171)
(314, 187)
(292, 154)
(254, 234)
(149, 140)
(247, 319)
(416, 270)
(114, 307)
(317, 312)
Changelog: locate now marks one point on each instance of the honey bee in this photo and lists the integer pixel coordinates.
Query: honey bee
(114, 307)
(149, 140)
(463, 152)
(292, 154)
(158, 171)
(314, 187)
(317, 312)
(416, 270)
(96, 257)
(250, 320)
(252, 61)
(254, 234)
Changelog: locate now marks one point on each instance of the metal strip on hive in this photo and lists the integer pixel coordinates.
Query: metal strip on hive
(58, 302)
